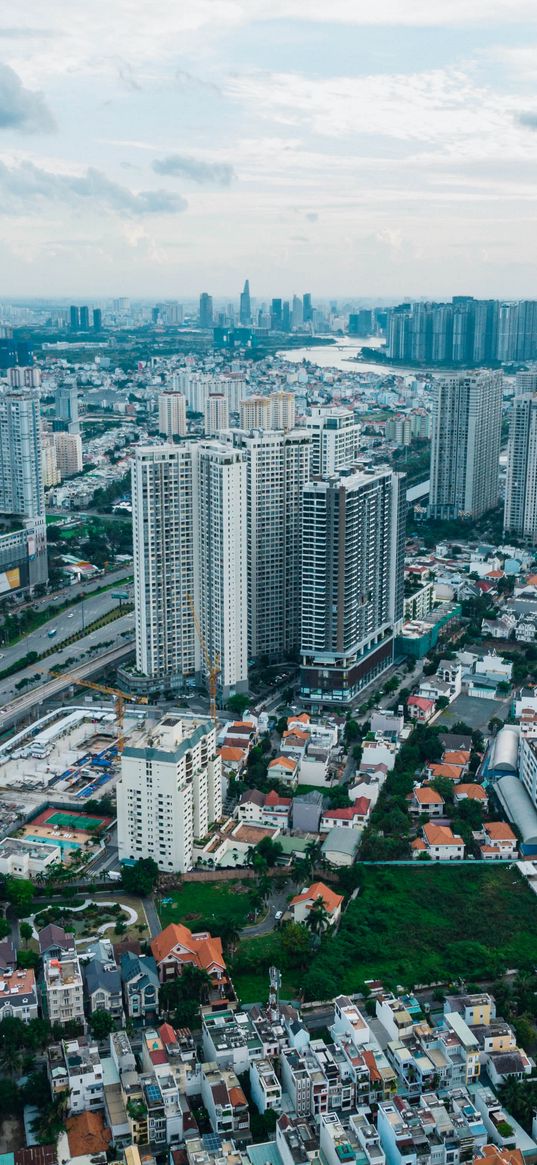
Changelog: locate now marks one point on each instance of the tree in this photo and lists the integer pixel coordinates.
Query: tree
(20, 893)
(318, 917)
(5, 928)
(444, 787)
(26, 932)
(269, 851)
(10, 1099)
(181, 997)
(442, 702)
(141, 878)
(238, 703)
(494, 725)
(295, 942)
(101, 1023)
(352, 731)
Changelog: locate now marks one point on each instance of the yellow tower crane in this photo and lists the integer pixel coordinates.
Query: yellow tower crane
(120, 698)
(212, 665)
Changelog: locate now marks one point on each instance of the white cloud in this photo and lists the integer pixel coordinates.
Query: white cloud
(20, 108)
(26, 187)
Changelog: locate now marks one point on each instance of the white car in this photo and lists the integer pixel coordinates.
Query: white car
(71, 616)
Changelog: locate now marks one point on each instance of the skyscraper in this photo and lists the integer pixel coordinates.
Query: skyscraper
(520, 516)
(216, 414)
(465, 445)
(84, 319)
(164, 513)
(68, 448)
(74, 318)
(278, 466)
(351, 582)
(223, 562)
(297, 312)
(245, 309)
(335, 439)
(66, 407)
(276, 315)
(307, 309)
(189, 533)
(206, 310)
(172, 414)
(23, 552)
(255, 412)
(169, 792)
(282, 410)
(97, 319)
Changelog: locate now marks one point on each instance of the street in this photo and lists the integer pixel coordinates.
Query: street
(65, 624)
(20, 706)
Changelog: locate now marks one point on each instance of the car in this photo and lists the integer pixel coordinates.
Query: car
(71, 616)
(2, 655)
(279, 915)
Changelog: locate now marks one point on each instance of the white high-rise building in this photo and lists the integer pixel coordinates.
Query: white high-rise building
(189, 532)
(520, 515)
(352, 582)
(335, 437)
(24, 377)
(51, 473)
(21, 476)
(164, 513)
(278, 466)
(256, 413)
(465, 445)
(169, 792)
(172, 414)
(216, 414)
(222, 541)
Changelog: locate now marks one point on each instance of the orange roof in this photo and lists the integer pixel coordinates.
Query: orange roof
(300, 735)
(87, 1134)
(474, 792)
(232, 754)
(302, 718)
(499, 831)
(457, 756)
(331, 901)
(236, 1096)
(418, 844)
(492, 1155)
(427, 796)
(440, 835)
(203, 950)
(284, 762)
(371, 1063)
(273, 798)
(452, 772)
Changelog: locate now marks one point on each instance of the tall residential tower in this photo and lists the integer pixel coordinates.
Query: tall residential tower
(465, 445)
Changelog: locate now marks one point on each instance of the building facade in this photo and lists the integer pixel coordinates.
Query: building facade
(465, 445)
(172, 414)
(520, 515)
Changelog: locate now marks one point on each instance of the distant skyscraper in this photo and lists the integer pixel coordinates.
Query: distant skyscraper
(84, 319)
(206, 310)
(352, 582)
(97, 319)
(66, 407)
(245, 310)
(276, 317)
(307, 309)
(216, 414)
(520, 517)
(278, 466)
(172, 414)
(286, 316)
(465, 445)
(298, 312)
(23, 551)
(74, 318)
(335, 440)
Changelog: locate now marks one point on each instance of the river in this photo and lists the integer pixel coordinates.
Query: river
(339, 355)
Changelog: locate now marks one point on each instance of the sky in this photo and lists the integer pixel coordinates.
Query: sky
(350, 148)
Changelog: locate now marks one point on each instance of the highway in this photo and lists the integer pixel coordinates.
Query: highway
(65, 624)
(21, 706)
(68, 593)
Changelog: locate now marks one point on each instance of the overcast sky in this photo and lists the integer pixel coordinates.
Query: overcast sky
(343, 147)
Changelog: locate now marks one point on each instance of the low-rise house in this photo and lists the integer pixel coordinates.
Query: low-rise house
(294, 743)
(140, 980)
(476, 1008)
(285, 768)
(54, 941)
(440, 843)
(427, 800)
(306, 812)
(450, 772)
(349, 1023)
(225, 1102)
(457, 756)
(394, 1017)
(499, 841)
(176, 946)
(230, 1041)
(74, 1067)
(102, 981)
(301, 904)
(353, 817)
(276, 810)
(340, 846)
(62, 989)
(87, 1138)
(421, 708)
(265, 1087)
(22, 858)
(471, 792)
(18, 995)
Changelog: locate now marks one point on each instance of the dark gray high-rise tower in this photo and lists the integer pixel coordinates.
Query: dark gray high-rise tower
(206, 310)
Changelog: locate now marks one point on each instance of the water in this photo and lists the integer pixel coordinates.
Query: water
(339, 355)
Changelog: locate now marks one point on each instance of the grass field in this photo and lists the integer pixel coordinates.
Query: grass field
(206, 902)
(411, 926)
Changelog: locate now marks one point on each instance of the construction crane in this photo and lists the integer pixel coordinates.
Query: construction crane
(120, 698)
(212, 665)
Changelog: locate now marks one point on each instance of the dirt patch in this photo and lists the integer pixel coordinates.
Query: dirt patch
(11, 1134)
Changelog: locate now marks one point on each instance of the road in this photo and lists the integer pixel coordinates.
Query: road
(70, 592)
(65, 624)
(278, 901)
(19, 707)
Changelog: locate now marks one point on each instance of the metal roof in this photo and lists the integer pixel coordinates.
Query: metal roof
(518, 806)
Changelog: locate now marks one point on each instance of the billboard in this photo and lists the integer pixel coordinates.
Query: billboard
(10, 580)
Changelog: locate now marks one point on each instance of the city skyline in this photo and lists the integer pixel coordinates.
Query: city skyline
(379, 153)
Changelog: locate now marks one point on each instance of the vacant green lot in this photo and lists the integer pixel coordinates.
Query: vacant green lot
(409, 925)
(208, 903)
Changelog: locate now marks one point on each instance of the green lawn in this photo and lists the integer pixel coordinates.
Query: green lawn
(415, 926)
(206, 902)
(410, 925)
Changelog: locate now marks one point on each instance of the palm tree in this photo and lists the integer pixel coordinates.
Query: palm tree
(318, 917)
(313, 855)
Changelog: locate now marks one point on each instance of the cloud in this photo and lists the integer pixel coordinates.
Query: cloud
(26, 185)
(528, 120)
(188, 81)
(21, 108)
(179, 165)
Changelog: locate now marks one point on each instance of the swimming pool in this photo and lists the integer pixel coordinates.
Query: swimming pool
(59, 841)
